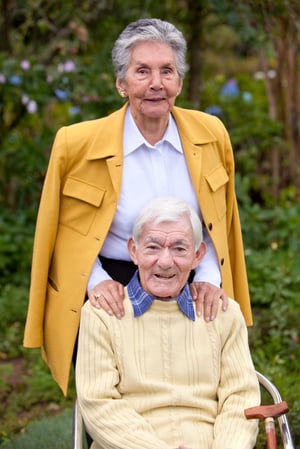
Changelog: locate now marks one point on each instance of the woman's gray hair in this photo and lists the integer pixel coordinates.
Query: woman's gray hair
(168, 209)
(145, 30)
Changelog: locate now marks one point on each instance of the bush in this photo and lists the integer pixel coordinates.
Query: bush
(48, 433)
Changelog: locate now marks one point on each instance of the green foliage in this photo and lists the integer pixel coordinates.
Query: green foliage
(13, 308)
(275, 347)
(16, 237)
(54, 433)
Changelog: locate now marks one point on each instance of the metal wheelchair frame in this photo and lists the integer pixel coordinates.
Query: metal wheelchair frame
(282, 420)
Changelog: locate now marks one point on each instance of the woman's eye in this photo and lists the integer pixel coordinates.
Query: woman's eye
(142, 71)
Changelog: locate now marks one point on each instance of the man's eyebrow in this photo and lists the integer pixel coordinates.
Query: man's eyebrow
(151, 239)
(180, 242)
(145, 64)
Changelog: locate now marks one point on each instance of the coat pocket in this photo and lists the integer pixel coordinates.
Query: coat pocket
(217, 180)
(79, 204)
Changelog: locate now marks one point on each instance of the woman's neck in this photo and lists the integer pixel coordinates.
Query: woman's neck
(152, 129)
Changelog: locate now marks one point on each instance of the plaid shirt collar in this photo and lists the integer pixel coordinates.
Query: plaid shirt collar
(141, 301)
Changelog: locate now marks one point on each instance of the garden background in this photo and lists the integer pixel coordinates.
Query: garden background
(55, 69)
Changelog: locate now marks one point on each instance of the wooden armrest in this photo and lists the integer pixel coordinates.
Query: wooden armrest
(267, 411)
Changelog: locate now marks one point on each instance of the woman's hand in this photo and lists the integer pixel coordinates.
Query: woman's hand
(207, 297)
(108, 295)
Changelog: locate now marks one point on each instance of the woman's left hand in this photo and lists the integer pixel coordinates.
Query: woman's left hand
(207, 297)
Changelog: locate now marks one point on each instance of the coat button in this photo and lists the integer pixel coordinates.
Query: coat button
(222, 261)
(210, 226)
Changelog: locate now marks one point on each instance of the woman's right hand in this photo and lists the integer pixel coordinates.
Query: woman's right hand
(108, 295)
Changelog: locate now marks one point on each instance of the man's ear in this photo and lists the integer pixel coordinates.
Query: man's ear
(132, 250)
(199, 254)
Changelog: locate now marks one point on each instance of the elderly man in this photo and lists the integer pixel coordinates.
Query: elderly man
(162, 378)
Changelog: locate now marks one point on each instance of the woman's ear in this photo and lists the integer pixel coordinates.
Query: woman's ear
(120, 85)
(180, 87)
(132, 250)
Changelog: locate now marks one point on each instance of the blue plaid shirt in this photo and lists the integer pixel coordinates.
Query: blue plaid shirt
(141, 301)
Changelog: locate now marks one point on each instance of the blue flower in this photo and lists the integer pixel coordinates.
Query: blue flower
(62, 95)
(74, 110)
(230, 89)
(214, 110)
(15, 80)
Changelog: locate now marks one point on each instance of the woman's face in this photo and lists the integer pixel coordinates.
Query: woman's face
(152, 81)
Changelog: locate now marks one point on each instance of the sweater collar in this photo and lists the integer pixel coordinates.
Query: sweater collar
(141, 300)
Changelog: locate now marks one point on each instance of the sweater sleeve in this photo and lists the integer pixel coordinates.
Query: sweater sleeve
(238, 388)
(110, 419)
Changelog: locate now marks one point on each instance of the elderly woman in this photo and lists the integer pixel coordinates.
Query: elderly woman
(103, 172)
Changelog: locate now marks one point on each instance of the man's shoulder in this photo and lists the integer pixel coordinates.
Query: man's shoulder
(233, 312)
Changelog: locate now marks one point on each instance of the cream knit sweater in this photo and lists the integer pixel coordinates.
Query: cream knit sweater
(161, 380)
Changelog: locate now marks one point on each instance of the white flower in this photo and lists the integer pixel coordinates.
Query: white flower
(25, 99)
(25, 65)
(31, 107)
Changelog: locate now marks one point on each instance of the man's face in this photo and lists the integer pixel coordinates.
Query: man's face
(165, 255)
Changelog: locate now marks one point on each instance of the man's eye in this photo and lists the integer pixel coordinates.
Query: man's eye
(152, 247)
(179, 250)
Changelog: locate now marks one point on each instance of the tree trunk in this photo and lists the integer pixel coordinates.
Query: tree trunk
(5, 45)
(197, 12)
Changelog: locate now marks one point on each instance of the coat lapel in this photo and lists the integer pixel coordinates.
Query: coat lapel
(108, 144)
(194, 136)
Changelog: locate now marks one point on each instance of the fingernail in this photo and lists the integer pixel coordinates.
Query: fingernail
(212, 318)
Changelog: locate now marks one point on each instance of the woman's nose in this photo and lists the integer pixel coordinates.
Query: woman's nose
(156, 80)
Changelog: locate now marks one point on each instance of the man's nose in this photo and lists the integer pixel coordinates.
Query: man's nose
(165, 258)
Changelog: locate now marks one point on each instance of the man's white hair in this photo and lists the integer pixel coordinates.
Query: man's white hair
(168, 209)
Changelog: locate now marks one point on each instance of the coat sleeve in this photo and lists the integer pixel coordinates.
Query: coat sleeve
(44, 241)
(235, 239)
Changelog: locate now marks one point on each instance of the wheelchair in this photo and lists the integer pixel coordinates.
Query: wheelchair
(276, 412)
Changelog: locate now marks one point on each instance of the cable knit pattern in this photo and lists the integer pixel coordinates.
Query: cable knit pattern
(161, 380)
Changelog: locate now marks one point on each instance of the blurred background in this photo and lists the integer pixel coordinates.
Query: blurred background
(55, 69)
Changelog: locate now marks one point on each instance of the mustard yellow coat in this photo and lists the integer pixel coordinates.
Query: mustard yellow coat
(78, 203)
